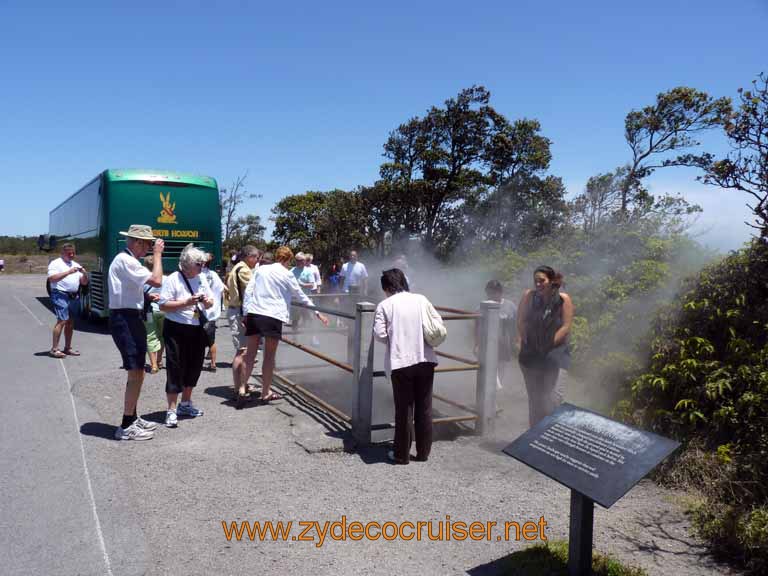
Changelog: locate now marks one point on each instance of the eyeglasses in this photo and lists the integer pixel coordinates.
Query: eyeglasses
(199, 264)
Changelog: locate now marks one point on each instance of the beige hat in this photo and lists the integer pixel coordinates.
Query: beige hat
(139, 231)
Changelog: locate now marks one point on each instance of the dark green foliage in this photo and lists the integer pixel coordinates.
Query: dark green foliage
(328, 224)
(708, 382)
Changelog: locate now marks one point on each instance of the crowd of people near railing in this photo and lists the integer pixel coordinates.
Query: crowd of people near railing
(174, 318)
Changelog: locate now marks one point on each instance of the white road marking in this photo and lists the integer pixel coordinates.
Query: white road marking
(28, 310)
(87, 474)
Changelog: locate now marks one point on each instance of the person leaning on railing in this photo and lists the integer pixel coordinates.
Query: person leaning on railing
(266, 303)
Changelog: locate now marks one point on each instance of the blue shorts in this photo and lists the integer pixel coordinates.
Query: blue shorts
(130, 336)
(64, 306)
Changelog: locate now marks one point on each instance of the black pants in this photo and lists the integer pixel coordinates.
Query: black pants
(184, 353)
(544, 396)
(412, 391)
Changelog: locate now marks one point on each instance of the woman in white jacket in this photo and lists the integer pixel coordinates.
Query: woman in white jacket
(266, 304)
(409, 363)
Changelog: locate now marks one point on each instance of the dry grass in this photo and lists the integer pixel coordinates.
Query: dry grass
(26, 263)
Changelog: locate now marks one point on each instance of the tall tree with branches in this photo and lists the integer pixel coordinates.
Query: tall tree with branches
(230, 200)
(746, 167)
(669, 126)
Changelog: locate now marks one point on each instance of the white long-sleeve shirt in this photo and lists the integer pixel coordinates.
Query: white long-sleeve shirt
(397, 322)
(270, 291)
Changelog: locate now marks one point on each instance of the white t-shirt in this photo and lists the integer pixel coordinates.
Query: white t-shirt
(69, 283)
(126, 282)
(174, 288)
(397, 322)
(217, 289)
(270, 291)
(354, 274)
(316, 272)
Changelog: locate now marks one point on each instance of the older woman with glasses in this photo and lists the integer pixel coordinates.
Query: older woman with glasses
(184, 298)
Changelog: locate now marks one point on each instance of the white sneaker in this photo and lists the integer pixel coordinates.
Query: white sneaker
(145, 424)
(171, 421)
(133, 432)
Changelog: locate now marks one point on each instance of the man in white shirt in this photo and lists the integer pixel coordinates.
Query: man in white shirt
(315, 271)
(126, 281)
(355, 275)
(65, 277)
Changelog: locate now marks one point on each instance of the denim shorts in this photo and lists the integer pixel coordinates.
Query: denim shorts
(130, 336)
(64, 306)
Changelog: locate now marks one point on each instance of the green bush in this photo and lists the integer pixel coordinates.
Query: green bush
(707, 385)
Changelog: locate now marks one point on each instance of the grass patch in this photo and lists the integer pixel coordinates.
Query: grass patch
(27, 263)
(551, 559)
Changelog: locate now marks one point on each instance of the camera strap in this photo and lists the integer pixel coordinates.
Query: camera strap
(200, 311)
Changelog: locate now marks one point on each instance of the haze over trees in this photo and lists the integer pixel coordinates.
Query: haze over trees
(662, 343)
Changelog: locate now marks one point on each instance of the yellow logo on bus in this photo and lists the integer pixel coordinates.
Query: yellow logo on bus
(167, 214)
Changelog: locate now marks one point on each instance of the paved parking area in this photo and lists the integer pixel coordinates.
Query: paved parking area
(75, 501)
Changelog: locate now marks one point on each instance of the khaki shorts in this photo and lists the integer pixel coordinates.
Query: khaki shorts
(236, 328)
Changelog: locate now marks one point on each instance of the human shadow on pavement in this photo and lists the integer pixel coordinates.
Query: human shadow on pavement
(99, 430)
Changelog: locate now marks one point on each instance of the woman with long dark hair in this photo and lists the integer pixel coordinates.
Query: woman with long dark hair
(409, 362)
(544, 322)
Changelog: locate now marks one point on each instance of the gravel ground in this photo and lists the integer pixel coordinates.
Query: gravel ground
(160, 504)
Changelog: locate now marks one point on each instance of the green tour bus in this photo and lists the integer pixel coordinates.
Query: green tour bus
(181, 208)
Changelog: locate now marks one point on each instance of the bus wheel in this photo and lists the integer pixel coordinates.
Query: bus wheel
(85, 306)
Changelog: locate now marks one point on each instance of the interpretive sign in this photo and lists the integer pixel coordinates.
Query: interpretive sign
(591, 454)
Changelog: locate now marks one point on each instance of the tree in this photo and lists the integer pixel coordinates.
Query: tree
(326, 223)
(668, 126)
(600, 201)
(746, 166)
(449, 165)
(246, 230)
(520, 213)
(435, 163)
(296, 218)
(230, 200)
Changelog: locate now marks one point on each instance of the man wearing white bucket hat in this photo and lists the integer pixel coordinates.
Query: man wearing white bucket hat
(127, 277)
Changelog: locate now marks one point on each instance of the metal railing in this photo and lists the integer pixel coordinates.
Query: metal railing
(360, 355)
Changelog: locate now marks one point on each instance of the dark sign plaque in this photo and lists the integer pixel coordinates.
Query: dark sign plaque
(591, 454)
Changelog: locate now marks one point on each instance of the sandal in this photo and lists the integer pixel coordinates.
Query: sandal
(71, 352)
(56, 353)
(271, 398)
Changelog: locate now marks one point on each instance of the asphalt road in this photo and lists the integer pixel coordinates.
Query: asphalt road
(75, 501)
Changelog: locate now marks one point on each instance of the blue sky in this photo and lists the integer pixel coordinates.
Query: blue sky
(302, 96)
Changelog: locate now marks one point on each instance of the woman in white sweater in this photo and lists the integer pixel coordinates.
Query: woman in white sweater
(409, 362)
(266, 304)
